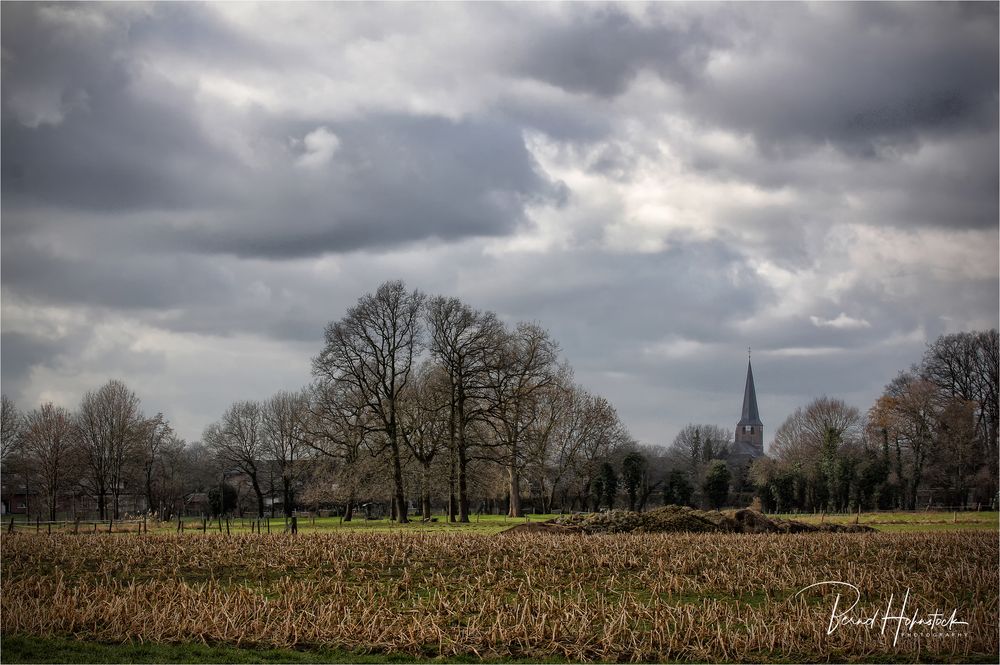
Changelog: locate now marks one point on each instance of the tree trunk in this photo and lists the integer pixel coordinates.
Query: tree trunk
(425, 493)
(260, 496)
(349, 510)
(452, 449)
(463, 482)
(515, 492)
(397, 471)
(286, 493)
(463, 463)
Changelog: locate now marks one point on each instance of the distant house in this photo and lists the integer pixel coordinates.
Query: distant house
(196, 503)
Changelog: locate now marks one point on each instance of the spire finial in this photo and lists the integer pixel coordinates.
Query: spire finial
(748, 353)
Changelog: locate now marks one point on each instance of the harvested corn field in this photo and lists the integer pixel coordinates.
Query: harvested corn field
(627, 597)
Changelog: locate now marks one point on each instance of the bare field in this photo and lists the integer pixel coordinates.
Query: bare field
(656, 597)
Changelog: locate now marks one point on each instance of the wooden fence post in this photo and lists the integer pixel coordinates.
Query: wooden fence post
(10, 529)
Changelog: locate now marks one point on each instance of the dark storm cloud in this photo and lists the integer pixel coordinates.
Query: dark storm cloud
(601, 48)
(391, 178)
(78, 133)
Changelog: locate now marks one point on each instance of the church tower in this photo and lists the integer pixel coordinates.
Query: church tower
(750, 430)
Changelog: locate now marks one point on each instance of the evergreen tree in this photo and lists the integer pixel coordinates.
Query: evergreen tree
(633, 469)
(716, 485)
(609, 485)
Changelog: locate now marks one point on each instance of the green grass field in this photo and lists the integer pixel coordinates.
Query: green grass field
(916, 521)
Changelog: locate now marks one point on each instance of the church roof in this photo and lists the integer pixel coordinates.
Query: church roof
(750, 414)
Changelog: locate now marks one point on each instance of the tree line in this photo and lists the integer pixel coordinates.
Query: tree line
(930, 438)
(413, 400)
(419, 403)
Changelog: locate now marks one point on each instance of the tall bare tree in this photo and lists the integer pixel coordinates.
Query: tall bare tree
(524, 364)
(283, 420)
(154, 434)
(109, 424)
(966, 366)
(462, 340)
(48, 443)
(371, 351)
(237, 442)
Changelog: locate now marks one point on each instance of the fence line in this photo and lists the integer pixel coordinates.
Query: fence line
(36, 526)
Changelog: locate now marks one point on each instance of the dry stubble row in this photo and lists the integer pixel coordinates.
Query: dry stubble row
(626, 597)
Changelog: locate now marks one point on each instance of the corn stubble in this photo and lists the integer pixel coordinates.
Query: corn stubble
(646, 597)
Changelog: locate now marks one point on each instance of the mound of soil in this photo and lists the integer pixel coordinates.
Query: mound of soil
(674, 519)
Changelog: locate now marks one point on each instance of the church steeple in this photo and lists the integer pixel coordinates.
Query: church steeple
(750, 429)
(750, 414)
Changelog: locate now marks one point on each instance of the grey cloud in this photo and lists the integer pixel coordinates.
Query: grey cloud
(129, 196)
(394, 179)
(21, 353)
(123, 282)
(599, 49)
(827, 75)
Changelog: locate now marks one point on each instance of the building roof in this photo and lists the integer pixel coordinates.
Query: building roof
(750, 414)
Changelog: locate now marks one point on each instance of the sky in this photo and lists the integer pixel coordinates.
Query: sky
(191, 192)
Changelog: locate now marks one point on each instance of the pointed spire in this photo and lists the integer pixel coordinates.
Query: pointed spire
(750, 414)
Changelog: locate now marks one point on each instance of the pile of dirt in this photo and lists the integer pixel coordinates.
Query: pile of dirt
(675, 519)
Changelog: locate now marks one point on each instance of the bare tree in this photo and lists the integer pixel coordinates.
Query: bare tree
(237, 442)
(913, 410)
(966, 366)
(283, 419)
(337, 428)
(524, 365)
(11, 424)
(462, 341)
(108, 426)
(371, 351)
(154, 434)
(601, 436)
(177, 470)
(48, 442)
(567, 439)
(424, 416)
